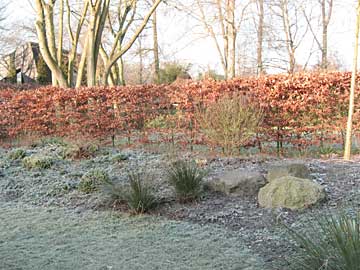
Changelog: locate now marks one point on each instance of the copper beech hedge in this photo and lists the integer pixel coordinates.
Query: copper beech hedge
(302, 109)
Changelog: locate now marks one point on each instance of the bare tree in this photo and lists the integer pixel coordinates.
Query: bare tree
(291, 19)
(222, 26)
(3, 13)
(98, 16)
(326, 10)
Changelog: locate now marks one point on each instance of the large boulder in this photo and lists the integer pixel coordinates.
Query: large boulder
(290, 192)
(296, 169)
(240, 182)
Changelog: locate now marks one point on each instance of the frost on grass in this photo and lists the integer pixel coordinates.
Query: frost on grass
(58, 239)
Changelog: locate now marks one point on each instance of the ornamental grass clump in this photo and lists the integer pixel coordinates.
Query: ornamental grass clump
(332, 243)
(230, 122)
(187, 179)
(137, 194)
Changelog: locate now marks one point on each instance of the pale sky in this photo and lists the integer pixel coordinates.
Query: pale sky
(176, 42)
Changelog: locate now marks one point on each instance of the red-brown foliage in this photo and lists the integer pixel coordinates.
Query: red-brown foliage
(302, 109)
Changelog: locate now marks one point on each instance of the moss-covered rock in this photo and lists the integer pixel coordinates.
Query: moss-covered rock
(92, 180)
(37, 161)
(290, 192)
(17, 154)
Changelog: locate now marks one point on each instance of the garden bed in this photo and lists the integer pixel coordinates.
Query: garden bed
(47, 221)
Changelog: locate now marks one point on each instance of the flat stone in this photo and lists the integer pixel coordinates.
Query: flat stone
(240, 182)
(296, 169)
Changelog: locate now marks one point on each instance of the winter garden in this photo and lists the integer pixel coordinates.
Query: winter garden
(230, 172)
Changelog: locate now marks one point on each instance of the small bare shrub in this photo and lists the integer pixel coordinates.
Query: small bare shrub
(230, 122)
(92, 180)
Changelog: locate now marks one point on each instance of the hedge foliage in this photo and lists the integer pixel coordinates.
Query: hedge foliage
(302, 109)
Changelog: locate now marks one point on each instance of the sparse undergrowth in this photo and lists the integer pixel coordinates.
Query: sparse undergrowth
(17, 154)
(93, 180)
(37, 161)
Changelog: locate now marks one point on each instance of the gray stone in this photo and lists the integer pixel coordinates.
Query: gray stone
(240, 182)
(290, 192)
(296, 169)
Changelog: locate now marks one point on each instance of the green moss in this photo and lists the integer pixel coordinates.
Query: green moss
(92, 180)
(37, 162)
(17, 154)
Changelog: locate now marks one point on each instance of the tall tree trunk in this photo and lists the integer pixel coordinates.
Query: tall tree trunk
(348, 142)
(120, 64)
(82, 65)
(50, 34)
(231, 37)
(156, 49)
(290, 46)
(326, 16)
(260, 38)
(99, 13)
(60, 34)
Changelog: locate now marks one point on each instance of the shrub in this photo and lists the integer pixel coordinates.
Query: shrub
(230, 122)
(187, 180)
(92, 180)
(37, 162)
(76, 151)
(333, 243)
(17, 154)
(137, 195)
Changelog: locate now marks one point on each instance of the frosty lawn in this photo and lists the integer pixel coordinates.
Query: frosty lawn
(53, 238)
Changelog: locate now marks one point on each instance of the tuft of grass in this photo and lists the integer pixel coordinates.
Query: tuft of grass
(187, 179)
(37, 162)
(333, 243)
(17, 154)
(92, 180)
(137, 195)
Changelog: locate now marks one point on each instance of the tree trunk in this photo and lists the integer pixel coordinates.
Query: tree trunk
(260, 38)
(348, 142)
(156, 49)
(99, 13)
(231, 38)
(47, 41)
